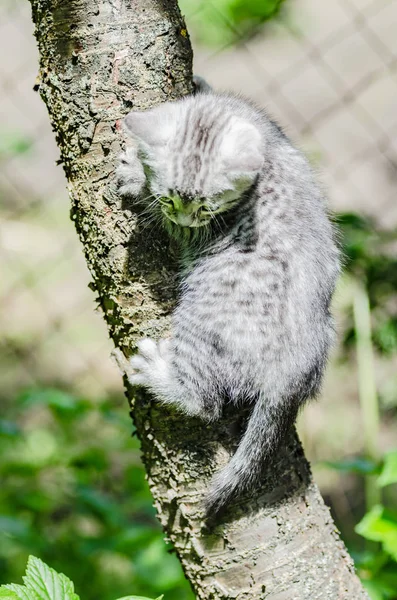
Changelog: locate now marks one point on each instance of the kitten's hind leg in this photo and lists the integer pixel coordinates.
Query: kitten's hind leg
(153, 368)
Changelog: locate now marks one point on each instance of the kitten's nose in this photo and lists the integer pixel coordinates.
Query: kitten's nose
(185, 220)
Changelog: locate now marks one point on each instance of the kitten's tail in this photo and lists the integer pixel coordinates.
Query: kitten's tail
(267, 426)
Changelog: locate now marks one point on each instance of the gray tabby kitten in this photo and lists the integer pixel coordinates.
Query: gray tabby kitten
(252, 327)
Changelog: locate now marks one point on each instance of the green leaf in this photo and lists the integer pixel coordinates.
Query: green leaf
(254, 11)
(360, 465)
(47, 583)
(390, 544)
(385, 335)
(372, 525)
(380, 525)
(21, 592)
(227, 21)
(138, 598)
(6, 594)
(388, 474)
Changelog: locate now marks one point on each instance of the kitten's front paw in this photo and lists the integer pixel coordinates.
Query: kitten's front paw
(149, 365)
(130, 176)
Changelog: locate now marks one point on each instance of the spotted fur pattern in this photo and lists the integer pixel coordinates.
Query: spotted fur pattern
(253, 326)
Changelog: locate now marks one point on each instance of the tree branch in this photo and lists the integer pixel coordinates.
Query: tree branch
(98, 60)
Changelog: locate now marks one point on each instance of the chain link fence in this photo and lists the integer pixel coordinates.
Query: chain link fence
(326, 71)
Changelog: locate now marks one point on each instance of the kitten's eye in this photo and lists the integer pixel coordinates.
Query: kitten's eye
(204, 211)
(209, 209)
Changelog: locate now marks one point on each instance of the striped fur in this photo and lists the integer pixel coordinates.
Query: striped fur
(252, 326)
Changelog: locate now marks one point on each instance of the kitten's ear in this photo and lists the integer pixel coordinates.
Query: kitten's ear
(200, 85)
(152, 127)
(242, 150)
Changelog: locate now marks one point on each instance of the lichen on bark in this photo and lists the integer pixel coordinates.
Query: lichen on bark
(98, 60)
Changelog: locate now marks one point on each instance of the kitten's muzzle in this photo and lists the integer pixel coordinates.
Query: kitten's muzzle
(184, 214)
(185, 219)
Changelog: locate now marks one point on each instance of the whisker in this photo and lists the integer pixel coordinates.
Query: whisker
(149, 222)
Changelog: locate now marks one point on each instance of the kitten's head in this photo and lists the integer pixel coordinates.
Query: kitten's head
(199, 156)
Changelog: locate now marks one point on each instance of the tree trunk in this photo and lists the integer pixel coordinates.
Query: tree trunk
(98, 60)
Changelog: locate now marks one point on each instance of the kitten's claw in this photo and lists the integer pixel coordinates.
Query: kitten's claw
(129, 367)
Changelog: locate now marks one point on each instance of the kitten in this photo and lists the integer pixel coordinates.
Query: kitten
(252, 326)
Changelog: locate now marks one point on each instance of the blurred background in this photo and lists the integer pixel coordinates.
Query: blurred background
(72, 489)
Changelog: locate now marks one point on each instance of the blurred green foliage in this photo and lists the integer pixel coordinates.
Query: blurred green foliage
(223, 22)
(13, 143)
(377, 563)
(73, 492)
(370, 257)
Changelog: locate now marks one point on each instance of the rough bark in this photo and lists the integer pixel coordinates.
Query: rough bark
(98, 60)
